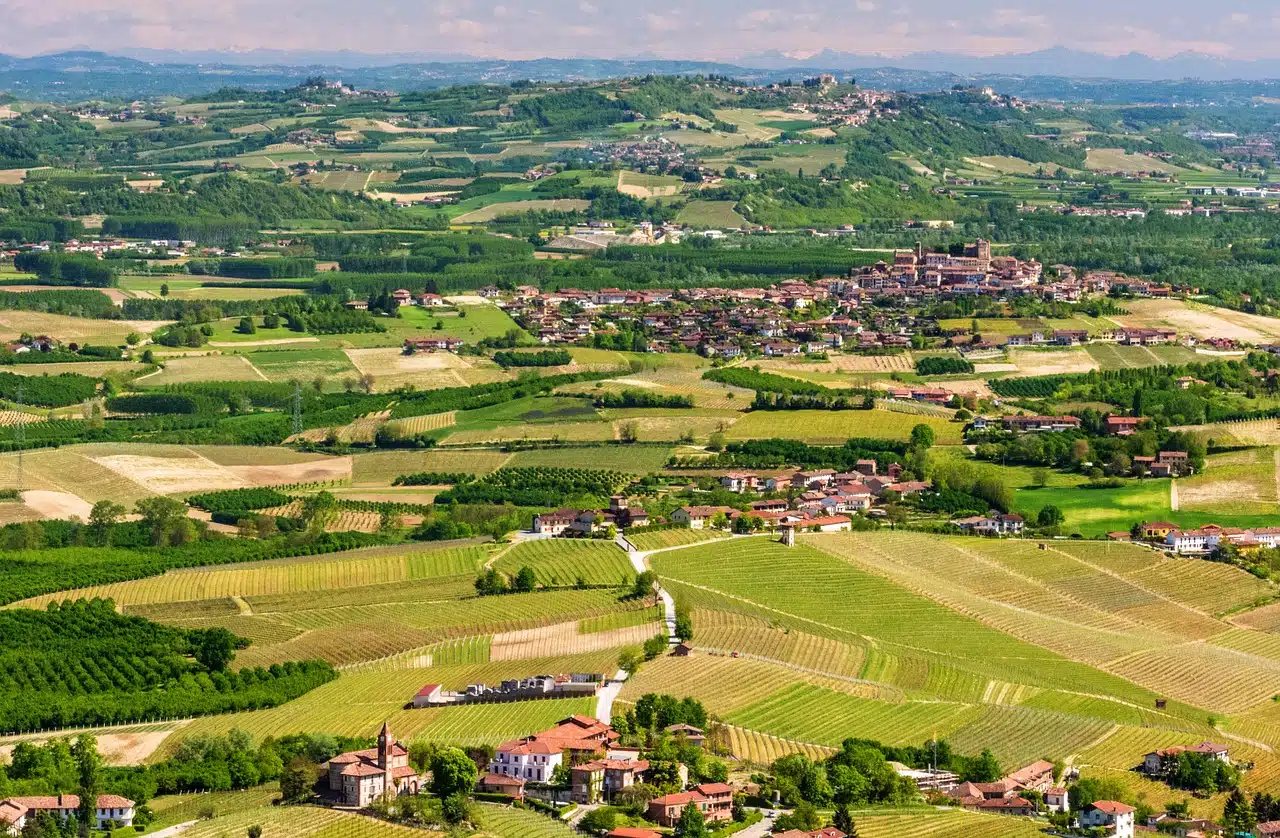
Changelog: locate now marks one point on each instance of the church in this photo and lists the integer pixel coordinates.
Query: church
(358, 778)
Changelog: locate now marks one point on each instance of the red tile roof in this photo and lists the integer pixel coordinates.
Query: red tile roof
(1111, 807)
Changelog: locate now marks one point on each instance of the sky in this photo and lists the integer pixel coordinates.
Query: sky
(722, 30)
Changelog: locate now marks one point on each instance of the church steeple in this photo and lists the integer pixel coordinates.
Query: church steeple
(385, 742)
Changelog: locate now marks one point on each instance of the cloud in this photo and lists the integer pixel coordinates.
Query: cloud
(865, 6)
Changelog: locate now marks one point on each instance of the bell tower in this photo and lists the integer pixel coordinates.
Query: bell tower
(385, 745)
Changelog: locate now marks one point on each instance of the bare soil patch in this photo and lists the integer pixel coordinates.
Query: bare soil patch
(1034, 362)
(333, 468)
(169, 476)
(57, 505)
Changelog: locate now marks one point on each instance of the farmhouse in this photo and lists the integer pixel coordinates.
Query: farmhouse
(512, 787)
(1037, 424)
(699, 517)
(1122, 425)
(599, 780)
(431, 344)
(830, 523)
(1111, 815)
(740, 481)
(1038, 776)
(554, 523)
(360, 777)
(714, 799)
(110, 808)
(536, 757)
(997, 523)
(1161, 761)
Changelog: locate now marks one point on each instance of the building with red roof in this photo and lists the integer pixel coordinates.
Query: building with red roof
(358, 778)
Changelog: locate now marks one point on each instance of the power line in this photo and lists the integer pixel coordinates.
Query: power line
(20, 436)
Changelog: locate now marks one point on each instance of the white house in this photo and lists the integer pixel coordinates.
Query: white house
(111, 807)
(1109, 814)
(527, 760)
(1055, 800)
(831, 523)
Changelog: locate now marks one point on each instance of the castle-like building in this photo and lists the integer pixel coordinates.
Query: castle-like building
(358, 778)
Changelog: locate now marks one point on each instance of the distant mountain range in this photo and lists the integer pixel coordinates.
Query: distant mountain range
(1057, 73)
(1055, 61)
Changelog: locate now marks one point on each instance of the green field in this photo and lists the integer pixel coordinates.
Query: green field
(835, 426)
(711, 214)
(563, 562)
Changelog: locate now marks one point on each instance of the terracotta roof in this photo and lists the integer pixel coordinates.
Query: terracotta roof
(71, 801)
(361, 769)
(500, 780)
(827, 521)
(1110, 807)
(428, 689)
(710, 789)
(522, 747)
(404, 771)
(633, 832)
(1031, 772)
(11, 812)
(678, 799)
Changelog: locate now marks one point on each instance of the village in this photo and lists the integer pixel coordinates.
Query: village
(581, 764)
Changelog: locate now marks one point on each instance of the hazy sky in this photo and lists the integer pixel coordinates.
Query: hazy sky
(713, 29)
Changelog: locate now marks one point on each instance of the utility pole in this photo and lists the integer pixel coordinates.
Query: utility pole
(297, 408)
(20, 436)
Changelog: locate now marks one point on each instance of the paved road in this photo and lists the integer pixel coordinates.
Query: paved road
(606, 695)
(170, 831)
(639, 561)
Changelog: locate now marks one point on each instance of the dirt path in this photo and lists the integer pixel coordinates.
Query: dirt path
(1173, 493)
(272, 342)
(249, 364)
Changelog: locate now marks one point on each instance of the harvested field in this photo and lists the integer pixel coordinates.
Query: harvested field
(57, 505)
(379, 468)
(425, 370)
(79, 329)
(649, 186)
(1118, 160)
(93, 369)
(1201, 320)
(168, 476)
(194, 368)
(130, 745)
(1033, 362)
(565, 639)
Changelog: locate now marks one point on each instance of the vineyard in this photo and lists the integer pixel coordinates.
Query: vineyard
(563, 562)
(537, 486)
(945, 824)
(727, 632)
(418, 425)
(381, 467)
(825, 717)
(835, 426)
(301, 577)
(673, 538)
(18, 417)
(763, 749)
(359, 701)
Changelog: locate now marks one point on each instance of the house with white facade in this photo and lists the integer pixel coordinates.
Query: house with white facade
(14, 811)
(1111, 815)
